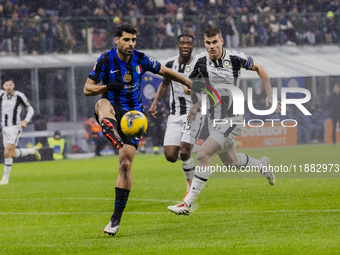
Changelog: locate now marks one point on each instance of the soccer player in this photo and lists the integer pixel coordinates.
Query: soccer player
(121, 70)
(179, 131)
(219, 67)
(12, 102)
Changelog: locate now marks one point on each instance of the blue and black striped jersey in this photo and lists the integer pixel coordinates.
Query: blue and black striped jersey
(110, 68)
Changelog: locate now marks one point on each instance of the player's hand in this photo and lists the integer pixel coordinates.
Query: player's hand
(187, 91)
(23, 123)
(192, 113)
(269, 103)
(114, 86)
(153, 110)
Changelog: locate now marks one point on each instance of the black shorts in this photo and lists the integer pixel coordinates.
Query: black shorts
(126, 139)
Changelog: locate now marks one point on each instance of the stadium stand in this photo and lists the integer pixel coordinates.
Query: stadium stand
(50, 47)
(39, 27)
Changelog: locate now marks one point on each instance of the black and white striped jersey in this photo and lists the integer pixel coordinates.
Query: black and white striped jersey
(11, 107)
(180, 103)
(219, 74)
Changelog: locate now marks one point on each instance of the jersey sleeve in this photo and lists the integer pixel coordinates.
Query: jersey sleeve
(246, 61)
(23, 99)
(151, 65)
(200, 69)
(98, 71)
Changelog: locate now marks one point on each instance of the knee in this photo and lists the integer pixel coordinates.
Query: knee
(101, 102)
(184, 151)
(171, 157)
(202, 157)
(234, 162)
(8, 153)
(184, 155)
(125, 167)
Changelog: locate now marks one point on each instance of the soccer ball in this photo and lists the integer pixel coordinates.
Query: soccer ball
(134, 123)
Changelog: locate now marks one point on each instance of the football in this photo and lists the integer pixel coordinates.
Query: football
(134, 123)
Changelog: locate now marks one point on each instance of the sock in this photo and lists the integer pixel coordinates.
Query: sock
(245, 160)
(7, 168)
(24, 152)
(189, 170)
(122, 196)
(200, 178)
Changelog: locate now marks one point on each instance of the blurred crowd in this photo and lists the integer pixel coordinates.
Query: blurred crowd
(41, 26)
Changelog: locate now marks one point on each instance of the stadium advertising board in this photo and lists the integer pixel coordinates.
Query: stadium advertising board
(267, 136)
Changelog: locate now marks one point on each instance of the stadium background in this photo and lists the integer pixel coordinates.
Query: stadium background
(61, 207)
(50, 47)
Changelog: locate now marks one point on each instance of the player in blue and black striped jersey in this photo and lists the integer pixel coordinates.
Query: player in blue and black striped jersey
(120, 70)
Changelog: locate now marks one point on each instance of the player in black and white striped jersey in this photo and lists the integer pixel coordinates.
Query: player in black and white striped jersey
(179, 131)
(12, 102)
(220, 69)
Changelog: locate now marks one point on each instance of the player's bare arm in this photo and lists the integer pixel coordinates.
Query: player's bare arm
(171, 75)
(263, 74)
(163, 87)
(193, 111)
(92, 89)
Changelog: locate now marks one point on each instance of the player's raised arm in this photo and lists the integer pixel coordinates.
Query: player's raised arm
(29, 115)
(163, 87)
(171, 75)
(92, 89)
(263, 74)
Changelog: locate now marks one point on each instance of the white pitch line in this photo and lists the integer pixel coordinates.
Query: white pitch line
(89, 198)
(153, 213)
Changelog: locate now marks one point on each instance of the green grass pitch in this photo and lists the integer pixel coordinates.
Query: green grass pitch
(62, 208)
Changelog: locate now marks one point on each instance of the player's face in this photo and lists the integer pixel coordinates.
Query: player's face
(185, 46)
(9, 87)
(214, 46)
(126, 43)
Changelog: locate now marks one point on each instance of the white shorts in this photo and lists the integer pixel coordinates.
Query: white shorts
(11, 135)
(225, 134)
(179, 130)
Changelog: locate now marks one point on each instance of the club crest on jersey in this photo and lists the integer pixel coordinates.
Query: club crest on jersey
(127, 77)
(188, 69)
(138, 69)
(226, 63)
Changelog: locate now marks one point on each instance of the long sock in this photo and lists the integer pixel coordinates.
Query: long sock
(24, 152)
(7, 168)
(189, 170)
(200, 178)
(122, 196)
(245, 160)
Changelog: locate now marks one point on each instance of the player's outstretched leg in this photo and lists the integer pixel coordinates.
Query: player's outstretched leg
(110, 132)
(22, 152)
(36, 153)
(266, 171)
